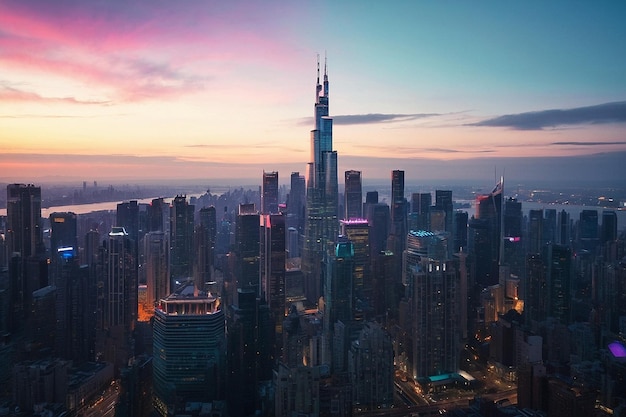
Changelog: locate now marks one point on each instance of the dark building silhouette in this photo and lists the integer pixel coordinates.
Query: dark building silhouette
(181, 239)
(205, 234)
(420, 206)
(272, 270)
(250, 335)
(269, 193)
(353, 203)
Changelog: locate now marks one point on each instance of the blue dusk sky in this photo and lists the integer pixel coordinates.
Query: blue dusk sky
(149, 90)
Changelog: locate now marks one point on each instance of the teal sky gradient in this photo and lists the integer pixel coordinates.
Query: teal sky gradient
(153, 88)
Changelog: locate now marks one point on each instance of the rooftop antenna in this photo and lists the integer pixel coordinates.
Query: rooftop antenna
(318, 86)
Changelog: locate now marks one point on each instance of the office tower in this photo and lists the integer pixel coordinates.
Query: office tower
(588, 237)
(75, 315)
(247, 248)
(269, 193)
(158, 216)
(609, 226)
(181, 239)
(535, 231)
(27, 264)
(443, 202)
(420, 205)
(513, 255)
(459, 241)
(119, 298)
(338, 298)
(353, 194)
(563, 236)
(434, 311)
(321, 225)
(371, 367)
(127, 216)
(205, 234)
(63, 233)
(24, 233)
(549, 226)
(398, 211)
(250, 336)
(296, 207)
(536, 306)
(387, 287)
(156, 251)
(273, 256)
(559, 281)
(379, 219)
(357, 232)
(485, 238)
(92, 244)
(190, 338)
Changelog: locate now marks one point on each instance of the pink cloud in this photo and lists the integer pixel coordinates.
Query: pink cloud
(145, 49)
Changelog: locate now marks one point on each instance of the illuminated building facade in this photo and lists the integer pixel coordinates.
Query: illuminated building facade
(189, 349)
(321, 225)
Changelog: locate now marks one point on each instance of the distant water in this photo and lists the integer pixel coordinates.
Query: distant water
(89, 208)
(573, 210)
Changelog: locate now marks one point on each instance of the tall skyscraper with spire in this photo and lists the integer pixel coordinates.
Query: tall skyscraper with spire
(321, 224)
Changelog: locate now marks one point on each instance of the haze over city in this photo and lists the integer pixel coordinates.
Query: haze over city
(159, 90)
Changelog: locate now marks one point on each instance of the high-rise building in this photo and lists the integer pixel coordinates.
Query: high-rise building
(273, 256)
(371, 367)
(250, 336)
(321, 225)
(190, 349)
(434, 308)
(338, 299)
(535, 231)
(564, 228)
(181, 239)
(353, 203)
(357, 232)
(443, 201)
(24, 233)
(247, 248)
(420, 205)
(399, 225)
(28, 269)
(205, 234)
(117, 298)
(156, 251)
(588, 236)
(296, 206)
(269, 193)
(609, 226)
(485, 238)
(63, 233)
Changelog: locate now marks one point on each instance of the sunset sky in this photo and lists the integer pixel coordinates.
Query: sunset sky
(155, 89)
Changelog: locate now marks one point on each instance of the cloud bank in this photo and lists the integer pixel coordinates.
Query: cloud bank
(602, 113)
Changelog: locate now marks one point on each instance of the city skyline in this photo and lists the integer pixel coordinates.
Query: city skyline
(152, 91)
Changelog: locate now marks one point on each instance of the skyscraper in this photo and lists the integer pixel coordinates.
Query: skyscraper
(25, 248)
(273, 271)
(63, 233)
(321, 224)
(205, 234)
(399, 227)
(181, 238)
(434, 307)
(247, 248)
(269, 193)
(353, 194)
(190, 338)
